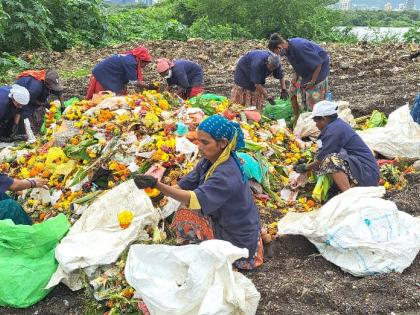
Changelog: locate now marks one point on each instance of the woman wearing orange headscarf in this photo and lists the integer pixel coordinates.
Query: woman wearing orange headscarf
(113, 73)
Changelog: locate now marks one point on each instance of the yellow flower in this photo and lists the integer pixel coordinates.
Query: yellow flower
(152, 192)
(124, 218)
(24, 173)
(163, 104)
(150, 119)
(21, 159)
(387, 185)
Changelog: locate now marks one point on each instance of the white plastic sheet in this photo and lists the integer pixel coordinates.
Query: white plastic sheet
(97, 239)
(191, 280)
(399, 138)
(360, 232)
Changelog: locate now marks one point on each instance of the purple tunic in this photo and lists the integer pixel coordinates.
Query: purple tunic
(115, 72)
(339, 137)
(251, 69)
(228, 201)
(305, 56)
(186, 74)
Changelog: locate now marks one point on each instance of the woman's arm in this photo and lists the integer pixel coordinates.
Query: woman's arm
(175, 192)
(22, 184)
(315, 74)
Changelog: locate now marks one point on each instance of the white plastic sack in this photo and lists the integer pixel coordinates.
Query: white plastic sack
(97, 239)
(399, 138)
(360, 232)
(191, 280)
(305, 126)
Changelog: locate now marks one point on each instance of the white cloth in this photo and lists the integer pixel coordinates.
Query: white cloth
(19, 94)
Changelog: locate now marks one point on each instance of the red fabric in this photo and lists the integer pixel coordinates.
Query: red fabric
(36, 74)
(196, 90)
(141, 54)
(93, 88)
(191, 227)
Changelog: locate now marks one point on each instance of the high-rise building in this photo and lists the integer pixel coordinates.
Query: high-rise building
(409, 4)
(344, 4)
(388, 7)
(401, 7)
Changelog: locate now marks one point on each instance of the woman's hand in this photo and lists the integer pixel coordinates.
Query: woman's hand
(145, 181)
(40, 183)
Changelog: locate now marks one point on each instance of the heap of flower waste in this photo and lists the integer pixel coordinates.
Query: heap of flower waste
(98, 144)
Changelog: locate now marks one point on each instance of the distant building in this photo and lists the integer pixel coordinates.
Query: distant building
(409, 5)
(401, 7)
(388, 7)
(344, 5)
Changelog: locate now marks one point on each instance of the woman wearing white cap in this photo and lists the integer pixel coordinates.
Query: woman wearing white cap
(12, 99)
(342, 153)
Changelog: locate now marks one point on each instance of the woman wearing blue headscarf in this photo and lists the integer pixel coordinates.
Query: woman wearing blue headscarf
(217, 193)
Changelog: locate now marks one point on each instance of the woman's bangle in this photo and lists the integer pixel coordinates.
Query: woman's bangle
(32, 182)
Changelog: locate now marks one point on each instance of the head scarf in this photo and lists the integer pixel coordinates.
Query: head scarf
(164, 64)
(19, 94)
(273, 60)
(38, 75)
(141, 54)
(221, 128)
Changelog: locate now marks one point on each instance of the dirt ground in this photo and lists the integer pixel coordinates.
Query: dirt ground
(295, 278)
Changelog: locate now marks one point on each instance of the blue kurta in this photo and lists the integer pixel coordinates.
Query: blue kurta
(115, 72)
(7, 109)
(251, 69)
(5, 183)
(339, 137)
(228, 201)
(38, 92)
(305, 56)
(186, 74)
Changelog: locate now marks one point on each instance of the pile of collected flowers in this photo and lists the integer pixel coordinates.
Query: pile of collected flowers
(96, 145)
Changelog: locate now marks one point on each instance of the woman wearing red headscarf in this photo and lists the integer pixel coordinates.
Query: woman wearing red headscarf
(113, 73)
(186, 75)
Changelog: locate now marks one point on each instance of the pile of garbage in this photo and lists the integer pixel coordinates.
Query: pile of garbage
(91, 151)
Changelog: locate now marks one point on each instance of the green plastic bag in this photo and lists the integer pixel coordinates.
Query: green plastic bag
(377, 119)
(208, 97)
(323, 184)
(27, 259)
(206, 102)
(281, 110)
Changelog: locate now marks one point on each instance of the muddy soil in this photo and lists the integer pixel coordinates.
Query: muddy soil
(295, 278)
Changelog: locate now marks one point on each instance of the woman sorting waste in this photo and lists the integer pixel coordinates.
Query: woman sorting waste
(341, 154)
(311, 64)
(251, 72)
(115, 72)
(40, 84)
(9, 208)
(217, 193)
(12, 100)
(186, 75)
